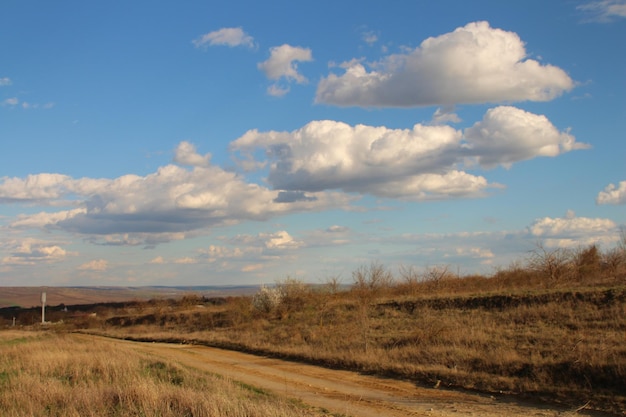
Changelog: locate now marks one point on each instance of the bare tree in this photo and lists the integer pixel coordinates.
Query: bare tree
(553, 264)
(411, 279)
(368, 283)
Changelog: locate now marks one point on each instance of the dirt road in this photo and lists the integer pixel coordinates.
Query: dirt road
(342, 392)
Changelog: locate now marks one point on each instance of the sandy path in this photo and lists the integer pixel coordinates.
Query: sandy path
(341, 392)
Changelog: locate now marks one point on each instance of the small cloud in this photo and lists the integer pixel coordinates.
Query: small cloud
(185, 154)
(603, 11)
(4, 81)
(185, 260)
(277, 91)
(231, 37)
(252, 267)
(338, 229)
(444, 115)
(475, 252)
(572, 231)
(95, 265)
(282, 64)
(33, 251)
(13, 101)
(281, 240)
(369, 37)
(158, 260)
(613, 194)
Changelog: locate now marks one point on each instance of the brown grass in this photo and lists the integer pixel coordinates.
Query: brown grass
(53, 375)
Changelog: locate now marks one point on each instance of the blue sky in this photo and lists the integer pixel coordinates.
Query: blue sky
(240, 142)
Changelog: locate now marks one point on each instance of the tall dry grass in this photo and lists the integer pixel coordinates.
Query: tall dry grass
(53, 375)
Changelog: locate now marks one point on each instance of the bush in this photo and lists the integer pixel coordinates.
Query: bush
(267, 299)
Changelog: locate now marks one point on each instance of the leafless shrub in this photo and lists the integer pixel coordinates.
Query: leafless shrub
(613, 261)
(372, 279)
(368, 283)
(435, 276)
(553, 264)
(411, 279)
(332, 285)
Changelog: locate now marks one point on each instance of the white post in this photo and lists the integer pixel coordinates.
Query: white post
(43, 307)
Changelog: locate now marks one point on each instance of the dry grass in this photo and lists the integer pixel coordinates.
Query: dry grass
(53, 375)
(557, 345)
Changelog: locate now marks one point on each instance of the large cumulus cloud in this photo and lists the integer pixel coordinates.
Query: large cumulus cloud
(161, 206)
(424, 162)
(473, 64)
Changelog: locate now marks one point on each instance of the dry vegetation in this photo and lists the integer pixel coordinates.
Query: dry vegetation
(53, 375)
(551, 327)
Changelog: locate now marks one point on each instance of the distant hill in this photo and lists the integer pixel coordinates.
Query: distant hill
(31, 296)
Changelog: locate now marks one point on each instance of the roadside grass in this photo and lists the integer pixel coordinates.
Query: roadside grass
(56, 375)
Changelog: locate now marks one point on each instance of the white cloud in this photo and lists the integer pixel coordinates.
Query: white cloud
(158, 260)
(185, 260)
(330, 236)
(4, 81)
(13, 101)
(334, 155)
(226, 36)
(508, 134)
(421, 163)
(214, 253)
(31, 251)
(94, 265)
(280, 240)
(475, 252)
(613, 194)
(170, 204)
(369, 37)
(186, 154)
(604, 10)
(277, 91)
(45, 187)
(253, 267)
(572, 231)
(444, 115)
(282, 63)
(43, 219)
(452, 184)
(473, 64)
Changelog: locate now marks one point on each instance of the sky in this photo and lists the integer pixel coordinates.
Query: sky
(244, 142)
